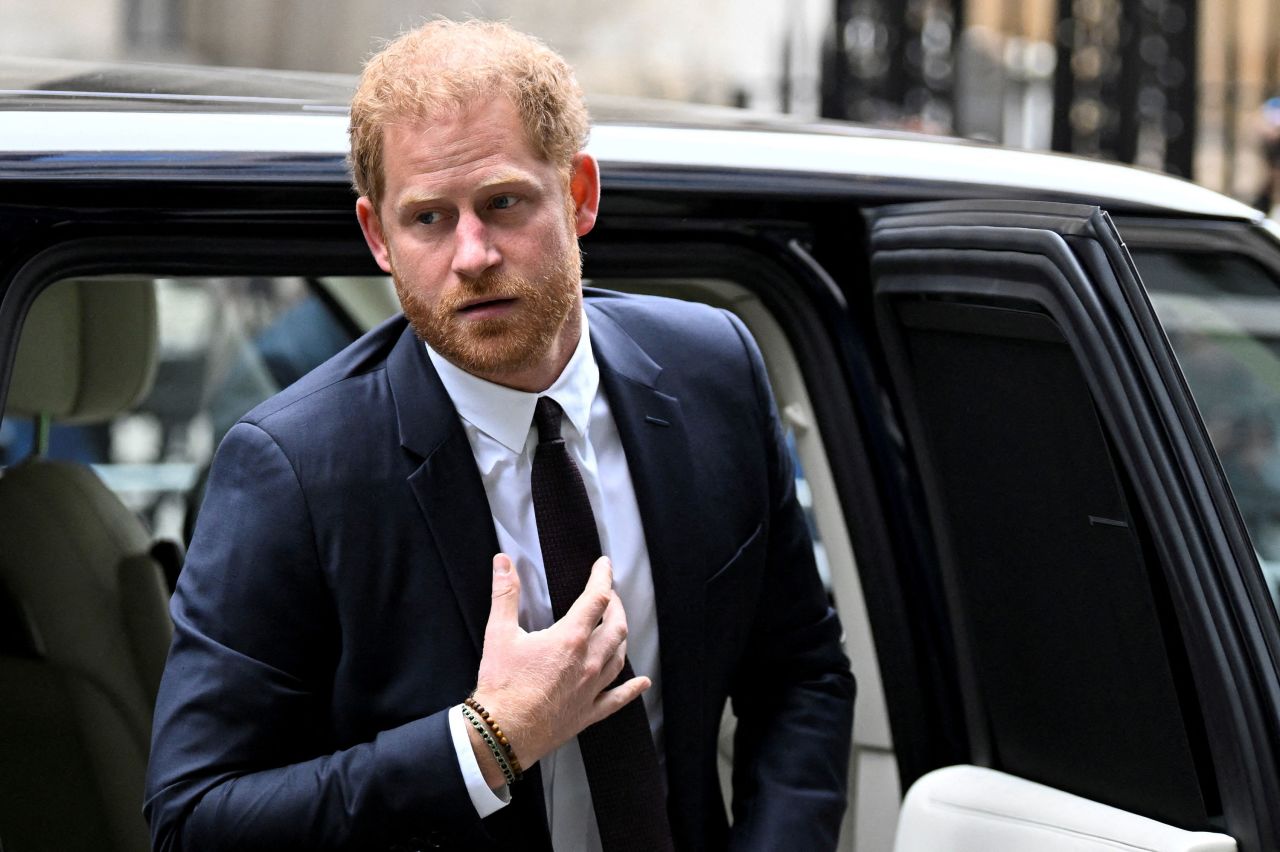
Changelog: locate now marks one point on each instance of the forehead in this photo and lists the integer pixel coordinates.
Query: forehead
(459, 144)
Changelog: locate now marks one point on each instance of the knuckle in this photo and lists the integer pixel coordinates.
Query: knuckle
(579, 638)
(618, 699)
(615, 666)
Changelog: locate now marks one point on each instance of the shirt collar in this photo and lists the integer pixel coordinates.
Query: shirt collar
(506, 414)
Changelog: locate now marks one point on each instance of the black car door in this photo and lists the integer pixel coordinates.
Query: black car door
(1113, 638)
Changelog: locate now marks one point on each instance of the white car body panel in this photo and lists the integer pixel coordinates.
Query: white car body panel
(971, 809)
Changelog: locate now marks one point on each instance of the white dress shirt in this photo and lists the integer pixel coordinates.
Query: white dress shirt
(499, 425)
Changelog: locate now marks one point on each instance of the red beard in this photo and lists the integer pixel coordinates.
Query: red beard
(492, 346)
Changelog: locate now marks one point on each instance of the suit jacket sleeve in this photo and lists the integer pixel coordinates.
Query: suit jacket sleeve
(793, 697)
(242, 754)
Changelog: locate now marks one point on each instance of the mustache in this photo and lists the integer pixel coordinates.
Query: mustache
(490, 285)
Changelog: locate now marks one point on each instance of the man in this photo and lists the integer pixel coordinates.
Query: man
(342, 597)
(1268, 198)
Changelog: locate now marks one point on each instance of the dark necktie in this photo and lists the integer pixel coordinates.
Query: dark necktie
(618, 752)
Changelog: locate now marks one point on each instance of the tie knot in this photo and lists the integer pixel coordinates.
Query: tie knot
(546, 417)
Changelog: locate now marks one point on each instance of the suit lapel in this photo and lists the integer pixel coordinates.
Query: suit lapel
(447, 485)
(652, 429)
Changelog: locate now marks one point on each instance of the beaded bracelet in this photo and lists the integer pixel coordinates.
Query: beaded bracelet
(512, 760)
(489, 741)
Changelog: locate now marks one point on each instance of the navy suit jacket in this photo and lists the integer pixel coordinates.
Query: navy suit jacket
(333, 604)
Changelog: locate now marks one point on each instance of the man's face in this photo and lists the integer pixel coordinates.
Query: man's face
(480, 237)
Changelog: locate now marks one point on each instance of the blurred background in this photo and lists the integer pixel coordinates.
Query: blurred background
(1176, 85)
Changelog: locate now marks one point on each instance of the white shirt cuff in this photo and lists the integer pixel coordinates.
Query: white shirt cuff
(486, 801)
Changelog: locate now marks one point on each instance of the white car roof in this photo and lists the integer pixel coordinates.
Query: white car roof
(789, 149)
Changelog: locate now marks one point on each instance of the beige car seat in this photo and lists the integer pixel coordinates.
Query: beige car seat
(84, 624)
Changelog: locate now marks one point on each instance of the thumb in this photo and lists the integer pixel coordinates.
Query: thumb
(505, 609)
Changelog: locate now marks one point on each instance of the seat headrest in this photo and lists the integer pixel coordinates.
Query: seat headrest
(87, 350)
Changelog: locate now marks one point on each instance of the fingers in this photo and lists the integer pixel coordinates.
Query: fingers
(609, 639)
(606, 647)
(613, 667)
(589, 608)
(504, 611)
(613, 700)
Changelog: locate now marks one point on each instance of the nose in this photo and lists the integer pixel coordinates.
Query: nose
(473, 250)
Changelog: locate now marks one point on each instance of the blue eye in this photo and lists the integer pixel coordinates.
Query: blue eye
(503, 202)
(430, 217)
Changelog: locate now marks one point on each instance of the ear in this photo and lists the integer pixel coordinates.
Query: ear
(371, 225)
(584, 185)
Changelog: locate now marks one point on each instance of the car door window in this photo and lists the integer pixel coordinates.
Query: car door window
(1222, 315)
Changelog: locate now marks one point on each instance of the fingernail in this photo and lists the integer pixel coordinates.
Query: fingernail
(501, 565)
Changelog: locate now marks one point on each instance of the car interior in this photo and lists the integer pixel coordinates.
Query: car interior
(85, 618)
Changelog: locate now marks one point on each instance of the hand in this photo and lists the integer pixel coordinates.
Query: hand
(544, 687)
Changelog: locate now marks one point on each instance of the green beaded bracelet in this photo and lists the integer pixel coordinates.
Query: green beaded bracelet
(489, 741)
(512, 760)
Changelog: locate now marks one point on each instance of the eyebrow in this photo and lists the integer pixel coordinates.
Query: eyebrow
(504, 178)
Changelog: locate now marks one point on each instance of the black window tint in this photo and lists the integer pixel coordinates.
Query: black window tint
(1068, 642)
